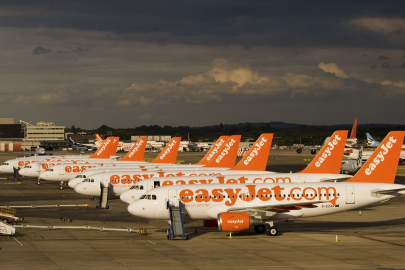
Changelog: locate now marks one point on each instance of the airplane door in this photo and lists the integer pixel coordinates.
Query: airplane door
(62, 170)
(150, 185)
(301, 179)
(349, 194)
(105, 179)
(173, 197)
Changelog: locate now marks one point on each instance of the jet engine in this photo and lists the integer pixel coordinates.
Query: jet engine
(235, 222)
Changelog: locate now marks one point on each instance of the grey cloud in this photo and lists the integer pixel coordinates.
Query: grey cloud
(386, 65)
(209, 22)
(403, 66)
(383, 57)
(39, 50)
(80, 50)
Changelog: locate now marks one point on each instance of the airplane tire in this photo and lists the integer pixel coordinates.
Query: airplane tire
(313, 151)
(39, 183)
(299, 150)
(260, 229)
(272, 231)
(61, 187)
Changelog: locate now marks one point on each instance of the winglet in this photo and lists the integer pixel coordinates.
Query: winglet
(137, 151)
(226, 156)
(213, 151)
(382, 165)
(256, 158)
(329, 158)
(169, 153)
(107, 149)
(353, 135)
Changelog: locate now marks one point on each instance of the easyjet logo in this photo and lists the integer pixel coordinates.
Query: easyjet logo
(79, 169)
(136, 147)
(328, 150)
(168, 149)
(226, 150)
(278, 193)
(104, 146)
(221, 180)
(380, 157)
(217, 146)
(132, 179)
(255, 150)
(47, 165)
(235, 221)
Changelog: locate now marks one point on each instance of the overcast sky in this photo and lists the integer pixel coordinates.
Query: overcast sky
(131, 63)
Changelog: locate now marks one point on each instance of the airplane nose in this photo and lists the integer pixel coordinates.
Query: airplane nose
(22, 172)
(73, 183)
(90, 189)
(133, 209)
(126, 197)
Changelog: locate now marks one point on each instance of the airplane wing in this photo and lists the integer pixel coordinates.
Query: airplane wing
(382, 192)
(270, 210)
(335, 179)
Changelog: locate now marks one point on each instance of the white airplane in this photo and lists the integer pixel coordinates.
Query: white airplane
(373, 143)
(324, 167)
(222, 158)
(66, 172)
(121, 182)
(105, 152)
(135, 154)
(238, 207)
(139, 173)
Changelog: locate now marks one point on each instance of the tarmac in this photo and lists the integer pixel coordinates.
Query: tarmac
(374, 239)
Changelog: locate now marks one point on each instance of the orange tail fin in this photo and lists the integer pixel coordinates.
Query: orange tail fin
(107, 149)
(353, 135)
(256, 158)
(169, 153)
(99, 138)
(329, 158)
(226, 156)
(137, 151)
(213, 151)
(382, 166)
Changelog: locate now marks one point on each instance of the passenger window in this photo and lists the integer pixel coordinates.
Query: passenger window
(141, 187)
(153, 197)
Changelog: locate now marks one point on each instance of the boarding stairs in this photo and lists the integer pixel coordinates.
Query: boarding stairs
(103, 197)
(176, 230)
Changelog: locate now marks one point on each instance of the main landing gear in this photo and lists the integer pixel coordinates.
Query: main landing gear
(260, 229)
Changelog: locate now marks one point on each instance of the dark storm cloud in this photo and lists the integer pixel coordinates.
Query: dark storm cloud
(383, 57)
(248, 23)
(39, 50)
(386, 65)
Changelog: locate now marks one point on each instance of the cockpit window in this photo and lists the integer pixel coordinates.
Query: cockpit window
(141, 187)
(136, 187)
(147, 197)
(142, 197)
(28, 167)
(89, 180)
(80, 176)
(153, 197)
(49, 170)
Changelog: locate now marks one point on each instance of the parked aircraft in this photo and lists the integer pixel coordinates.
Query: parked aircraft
(373, 143)
(134, 155)
(66, 172)
(105, 152)
(238, 207)
(253, 162)
(227, 160)
(323, 168)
